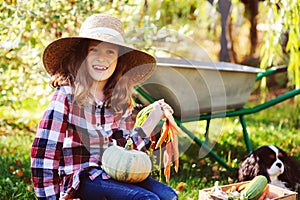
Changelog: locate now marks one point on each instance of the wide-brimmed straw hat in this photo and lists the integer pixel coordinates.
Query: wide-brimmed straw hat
(103, 28)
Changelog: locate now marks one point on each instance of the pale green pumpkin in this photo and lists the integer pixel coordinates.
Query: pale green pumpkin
(126, 164)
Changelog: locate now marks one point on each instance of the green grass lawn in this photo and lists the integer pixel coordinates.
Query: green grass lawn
(275, 125)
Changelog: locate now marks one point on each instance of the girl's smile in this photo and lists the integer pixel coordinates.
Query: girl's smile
(100, 67)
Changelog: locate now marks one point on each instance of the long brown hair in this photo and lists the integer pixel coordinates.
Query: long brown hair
(117, 90)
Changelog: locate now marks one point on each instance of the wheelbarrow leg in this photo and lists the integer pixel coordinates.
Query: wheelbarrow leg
(245, 134)
(206, 148)
(207, 130)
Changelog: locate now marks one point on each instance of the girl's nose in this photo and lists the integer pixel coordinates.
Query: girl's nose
(100, 57)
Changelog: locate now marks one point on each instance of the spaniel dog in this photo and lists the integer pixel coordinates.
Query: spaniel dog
(275, 164)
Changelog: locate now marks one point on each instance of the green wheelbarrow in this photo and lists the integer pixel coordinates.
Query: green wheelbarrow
(200, 90)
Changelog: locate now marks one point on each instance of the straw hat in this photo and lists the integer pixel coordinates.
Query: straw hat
(101, 28)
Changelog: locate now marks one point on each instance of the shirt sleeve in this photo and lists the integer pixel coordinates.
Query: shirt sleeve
(46, 148)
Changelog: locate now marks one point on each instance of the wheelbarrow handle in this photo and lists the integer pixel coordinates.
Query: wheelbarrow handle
(271, 70)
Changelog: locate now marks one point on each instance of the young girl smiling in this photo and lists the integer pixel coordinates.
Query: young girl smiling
(91, 108)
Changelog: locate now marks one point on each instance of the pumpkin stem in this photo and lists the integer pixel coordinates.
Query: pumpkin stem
(129, 144)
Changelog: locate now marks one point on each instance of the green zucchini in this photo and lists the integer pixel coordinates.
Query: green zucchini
(254, 188)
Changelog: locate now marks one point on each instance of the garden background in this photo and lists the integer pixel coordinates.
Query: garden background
(27, 27)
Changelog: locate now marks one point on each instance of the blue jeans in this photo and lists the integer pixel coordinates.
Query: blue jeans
(111, 189)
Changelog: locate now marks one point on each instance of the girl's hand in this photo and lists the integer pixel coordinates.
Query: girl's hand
(159, 111)
(161, 108)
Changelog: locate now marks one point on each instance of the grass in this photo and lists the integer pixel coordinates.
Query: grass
(275, 125)
(15, 182)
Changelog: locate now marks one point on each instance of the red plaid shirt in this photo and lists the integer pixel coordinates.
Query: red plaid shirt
(71, 139)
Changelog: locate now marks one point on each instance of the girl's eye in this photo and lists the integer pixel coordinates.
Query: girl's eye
(92, 49)
(110, 52)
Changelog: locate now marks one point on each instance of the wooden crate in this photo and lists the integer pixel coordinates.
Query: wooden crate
(282, 194)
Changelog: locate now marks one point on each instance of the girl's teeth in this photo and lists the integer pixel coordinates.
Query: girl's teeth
(100, 67)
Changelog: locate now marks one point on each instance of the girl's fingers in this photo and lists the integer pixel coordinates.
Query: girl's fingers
(165, 109)
(165, 106)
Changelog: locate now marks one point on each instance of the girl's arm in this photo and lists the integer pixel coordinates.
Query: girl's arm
(46, 148)
(154, 117)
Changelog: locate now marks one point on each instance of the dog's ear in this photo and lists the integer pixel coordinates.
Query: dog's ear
(251, 167)
(291, 175)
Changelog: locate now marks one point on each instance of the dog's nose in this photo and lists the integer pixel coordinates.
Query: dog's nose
(278, 165)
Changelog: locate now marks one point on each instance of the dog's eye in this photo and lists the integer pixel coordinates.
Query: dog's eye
(271, 156)
(280, 155)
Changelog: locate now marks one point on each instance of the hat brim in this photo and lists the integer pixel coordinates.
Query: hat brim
(140, 64)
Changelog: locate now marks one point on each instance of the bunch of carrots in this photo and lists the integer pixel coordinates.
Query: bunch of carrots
(168, 135)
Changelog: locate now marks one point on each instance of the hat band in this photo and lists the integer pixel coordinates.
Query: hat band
(108, 31)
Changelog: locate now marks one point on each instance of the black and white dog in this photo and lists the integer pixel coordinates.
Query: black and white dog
(275, 164)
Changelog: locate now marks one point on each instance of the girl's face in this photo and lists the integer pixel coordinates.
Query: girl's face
(102, 60)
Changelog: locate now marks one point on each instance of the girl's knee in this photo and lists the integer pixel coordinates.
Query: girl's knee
(146, 196)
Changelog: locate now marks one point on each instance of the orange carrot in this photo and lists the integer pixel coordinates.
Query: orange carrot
(170, 118)
(175, 152)
(153, 142)
(170, 128)
(174, 142)
(172, 131)
(264, 194)
(173, 123)
(164, 134)
(167, 173)
(167, 161)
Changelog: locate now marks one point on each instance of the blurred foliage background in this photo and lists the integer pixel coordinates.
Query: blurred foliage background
(189, 29)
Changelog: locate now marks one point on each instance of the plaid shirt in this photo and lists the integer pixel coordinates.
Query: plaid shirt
(71, 139)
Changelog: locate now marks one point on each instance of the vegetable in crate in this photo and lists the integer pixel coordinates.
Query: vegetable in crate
(127, 164)
(255, 188)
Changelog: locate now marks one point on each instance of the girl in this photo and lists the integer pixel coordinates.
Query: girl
(93, 74)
